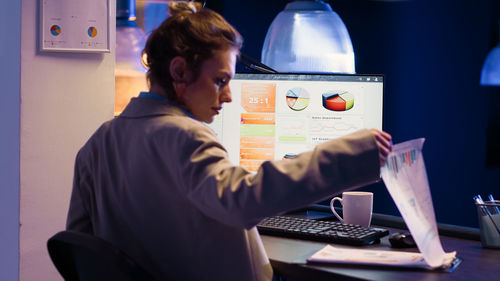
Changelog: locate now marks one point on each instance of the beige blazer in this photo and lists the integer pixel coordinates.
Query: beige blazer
(158, 184)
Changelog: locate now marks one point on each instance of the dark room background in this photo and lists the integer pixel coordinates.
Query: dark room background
(431, 53)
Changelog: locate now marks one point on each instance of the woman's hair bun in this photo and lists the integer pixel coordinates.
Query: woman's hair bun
(183, 7)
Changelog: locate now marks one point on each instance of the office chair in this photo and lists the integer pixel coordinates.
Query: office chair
(83, 257)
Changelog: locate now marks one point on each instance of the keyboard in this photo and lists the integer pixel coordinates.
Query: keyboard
(325, 231)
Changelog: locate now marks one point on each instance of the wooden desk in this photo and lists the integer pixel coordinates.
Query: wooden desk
(288, 260)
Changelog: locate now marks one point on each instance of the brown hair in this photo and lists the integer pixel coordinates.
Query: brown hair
(193, 35)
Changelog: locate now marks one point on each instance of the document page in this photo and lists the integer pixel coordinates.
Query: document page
(406, 179)
(331, 254)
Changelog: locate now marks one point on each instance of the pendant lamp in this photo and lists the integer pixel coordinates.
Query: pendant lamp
(130, 74)
(490, 75)
(308, 36)
(130, 39)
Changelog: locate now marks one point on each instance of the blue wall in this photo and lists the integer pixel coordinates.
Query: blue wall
(431, 53)
(10, 76)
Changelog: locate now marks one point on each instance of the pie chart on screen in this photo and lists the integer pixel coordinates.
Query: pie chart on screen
(297, 99)
(338, 101)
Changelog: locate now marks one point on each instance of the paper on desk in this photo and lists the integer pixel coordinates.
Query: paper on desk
(330, 254)
(405, 177)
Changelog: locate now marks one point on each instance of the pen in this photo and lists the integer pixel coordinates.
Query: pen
(479, 200)
(490, 197)
(484, 210)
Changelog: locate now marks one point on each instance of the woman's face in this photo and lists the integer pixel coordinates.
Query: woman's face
(204, 97)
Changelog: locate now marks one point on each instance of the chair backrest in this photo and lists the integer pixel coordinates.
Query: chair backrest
(83, 257)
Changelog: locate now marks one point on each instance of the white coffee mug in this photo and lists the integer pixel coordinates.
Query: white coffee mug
(356, 206)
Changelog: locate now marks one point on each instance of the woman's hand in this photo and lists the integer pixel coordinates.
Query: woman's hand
(384, 143)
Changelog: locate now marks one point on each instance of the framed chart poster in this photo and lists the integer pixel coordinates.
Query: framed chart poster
(75, 26)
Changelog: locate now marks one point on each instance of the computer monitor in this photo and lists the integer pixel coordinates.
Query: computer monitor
(276, 116)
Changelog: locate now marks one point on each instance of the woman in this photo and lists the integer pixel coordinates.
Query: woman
(158, 184)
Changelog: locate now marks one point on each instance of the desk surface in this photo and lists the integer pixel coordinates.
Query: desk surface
(288, 260)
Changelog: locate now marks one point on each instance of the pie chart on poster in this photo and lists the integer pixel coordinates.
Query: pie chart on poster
(297, 99)
(338, 101)
(55, 30)
(92, 32)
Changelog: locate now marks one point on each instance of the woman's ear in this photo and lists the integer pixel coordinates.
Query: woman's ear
(179, 73)
(178, 69)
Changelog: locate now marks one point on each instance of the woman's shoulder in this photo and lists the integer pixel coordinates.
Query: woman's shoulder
(182, 123)
(184, 127)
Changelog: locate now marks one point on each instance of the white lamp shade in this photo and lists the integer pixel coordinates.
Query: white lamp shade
(308, 37)
(130, 40)
(490, 75)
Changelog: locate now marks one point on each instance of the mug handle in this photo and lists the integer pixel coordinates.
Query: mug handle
(333, 209)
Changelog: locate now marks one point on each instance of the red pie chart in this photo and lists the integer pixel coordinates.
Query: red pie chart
(338, 101)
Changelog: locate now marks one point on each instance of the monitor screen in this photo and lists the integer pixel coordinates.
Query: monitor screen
(276, 116)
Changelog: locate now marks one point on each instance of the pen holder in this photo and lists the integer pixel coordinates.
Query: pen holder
(489, 223)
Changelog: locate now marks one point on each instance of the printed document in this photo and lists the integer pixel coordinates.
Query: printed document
(406, 179)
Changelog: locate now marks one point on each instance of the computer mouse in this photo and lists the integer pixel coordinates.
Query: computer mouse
(402, 240)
